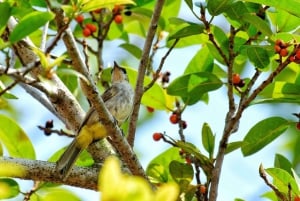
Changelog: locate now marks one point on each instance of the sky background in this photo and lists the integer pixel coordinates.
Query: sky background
(239, 178)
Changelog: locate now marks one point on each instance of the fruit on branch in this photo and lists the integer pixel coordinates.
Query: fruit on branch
(184, 124)
(118, 19)
(174, 119)
(150, 109)
(91, 27)
(202, 189)
(283, 52)
(79, 18)
(117, 9)
(280, 48)
(157, 136)
(236, 79)
(297, 198)
(86, 32)
(298, 127)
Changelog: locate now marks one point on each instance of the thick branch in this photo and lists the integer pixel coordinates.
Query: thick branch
(139, 89)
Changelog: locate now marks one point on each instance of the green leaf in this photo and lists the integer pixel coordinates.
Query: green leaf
(216, 7)
(192, 29)
(281, 162)
(203, 61)
(158, 168)
(92, 5)
(258, 56)
(258, 23)
(50, 194)
(263, 133)
(208, 140)
(9, 188)
(181, 171)
(290, 6)
(189, 3)
(204, 162)
(5, 11)
(132, 49)
(30, 23)
(296, 177)
(282, 179)
(191, 87)
(15, 139)
(233, 146)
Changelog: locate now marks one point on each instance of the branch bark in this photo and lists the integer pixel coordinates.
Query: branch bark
(139, 88)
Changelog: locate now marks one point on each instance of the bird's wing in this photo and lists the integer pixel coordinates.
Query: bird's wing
(109, 93)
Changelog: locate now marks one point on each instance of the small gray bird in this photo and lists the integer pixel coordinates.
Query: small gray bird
(119, 101)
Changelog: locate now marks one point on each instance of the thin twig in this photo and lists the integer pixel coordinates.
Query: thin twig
(139, 89)
(161, 64)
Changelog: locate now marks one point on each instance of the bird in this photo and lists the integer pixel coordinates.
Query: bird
(118, 99)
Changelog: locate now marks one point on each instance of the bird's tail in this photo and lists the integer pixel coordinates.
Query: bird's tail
(67, 159)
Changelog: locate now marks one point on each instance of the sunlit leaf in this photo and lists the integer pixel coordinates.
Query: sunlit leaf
(190, 30)
(208, 139)
(15, 139)
(50, 194)
(282, 179)
(158, 168)
(9, 188)
(92, 5)
(263, 133)
(29, 24)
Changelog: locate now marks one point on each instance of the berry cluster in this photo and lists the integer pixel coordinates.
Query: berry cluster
(237, 81)
(88, 28)
(281, 48)
(295, 57)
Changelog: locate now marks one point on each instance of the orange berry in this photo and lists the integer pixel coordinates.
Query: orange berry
(91, 27)
(157, 136)
(97, 10)
(236, 79)
(284, 52)
(117, 9)
(118, 19)
(202, 189)
(277, 48)
(86, 32)
(292, 58)
(297, 198)
(298, 125)
(174, 118)
(79, 18)
(278, 42)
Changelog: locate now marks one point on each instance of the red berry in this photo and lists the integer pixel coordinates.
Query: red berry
(298, 125)
(174, 118)
(157, 136)
(86, 32)
(297, 198)
(184, 124)
(283, 52)
(188, 160)
(277, 48)
(297, 54)
(202, 189)
(118, 19)
(91, 27)
(117, 9)
(236, 79)
(292, 58)
(278, 42)
(79, 18)
(150, 109)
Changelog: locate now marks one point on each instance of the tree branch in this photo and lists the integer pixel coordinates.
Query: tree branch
(139, 88)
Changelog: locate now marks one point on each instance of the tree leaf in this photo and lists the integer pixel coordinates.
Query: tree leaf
(132, 49)
(158, 168)
(30, 23)
(15, 139)
(258, 23)
(290, 6)
(208, 140)
(283, 163)
(5, 11)
(9, 188)
(216, 7)
(263, 133)
(258, 56)
(91, 5)
(181, 171)
(233, 146)
(282, 179)
(192, 29)
(191, 87)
